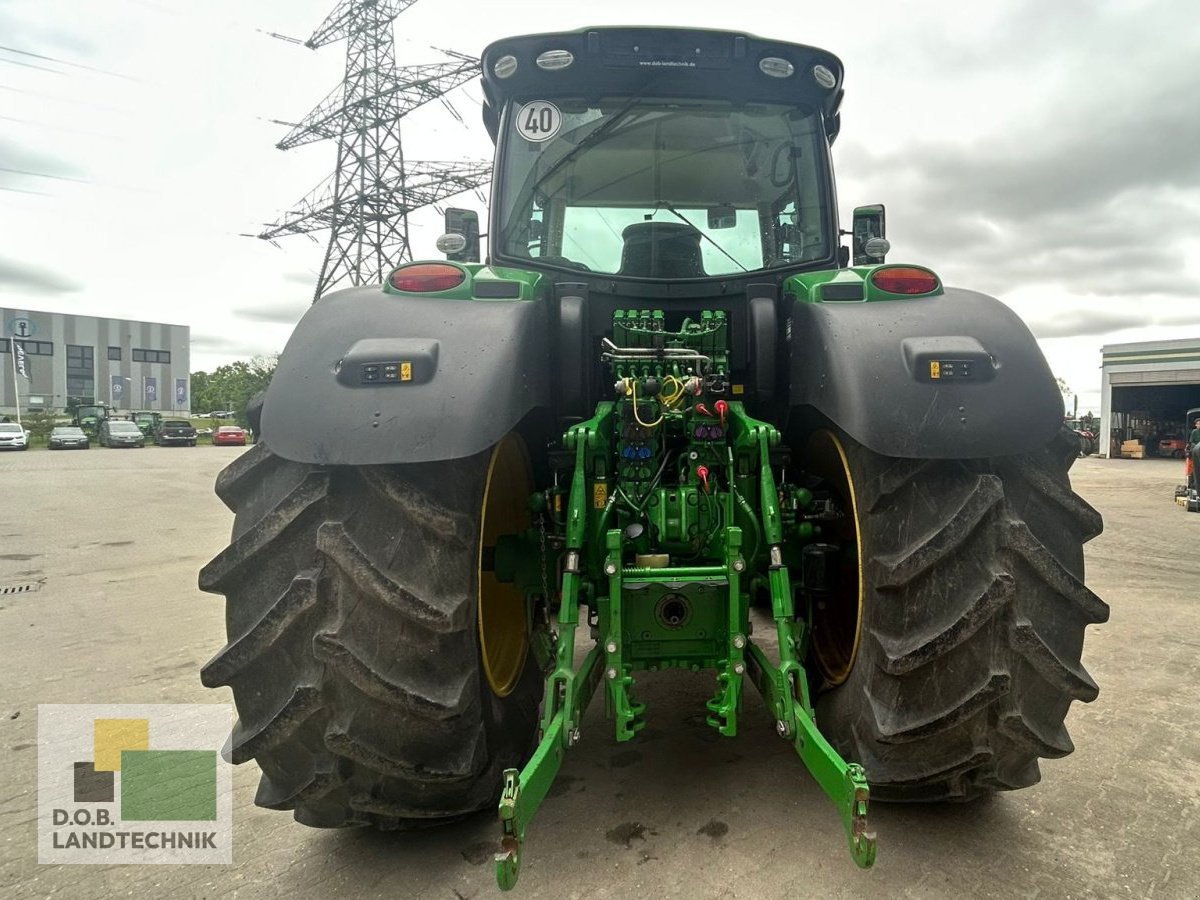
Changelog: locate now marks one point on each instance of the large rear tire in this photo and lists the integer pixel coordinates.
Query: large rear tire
(353, 649)
(971, 621)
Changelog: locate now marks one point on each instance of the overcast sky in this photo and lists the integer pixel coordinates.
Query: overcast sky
(1045, 152)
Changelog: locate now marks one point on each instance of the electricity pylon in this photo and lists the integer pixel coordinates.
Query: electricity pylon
(366, 202)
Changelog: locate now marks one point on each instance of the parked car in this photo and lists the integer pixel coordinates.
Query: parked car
(229, 436)
(1176, 447)
(222, 414)
(120, 433)
(13, 436)
(175, 431)
(69, 437)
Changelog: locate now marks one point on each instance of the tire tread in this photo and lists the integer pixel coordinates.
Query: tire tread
(352, 653)
(975, 613)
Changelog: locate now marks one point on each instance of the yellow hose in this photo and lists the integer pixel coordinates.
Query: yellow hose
(656, 422)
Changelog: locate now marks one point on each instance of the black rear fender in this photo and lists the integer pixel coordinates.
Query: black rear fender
(369, 378)
(954, 376)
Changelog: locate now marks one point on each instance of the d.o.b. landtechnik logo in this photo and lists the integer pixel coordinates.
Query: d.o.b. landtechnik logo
(134, 784)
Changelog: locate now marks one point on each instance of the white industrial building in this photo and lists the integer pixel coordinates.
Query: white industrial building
(129, 365)
(1147, 390)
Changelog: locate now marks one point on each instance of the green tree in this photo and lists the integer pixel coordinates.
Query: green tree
(232, 385)
(1067, 392)
(39, 423)
(201, 399)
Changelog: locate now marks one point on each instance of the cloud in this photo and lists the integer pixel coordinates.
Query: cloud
(1084, 323)
(25, 159)
(237, 347)
(1061, 155)
(1101, 205)
(282, 313)
(1060, 165)
(25, 32)
(37, 279)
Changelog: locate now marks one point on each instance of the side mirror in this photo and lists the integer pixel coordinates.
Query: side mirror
(463, 222)
(870, 235)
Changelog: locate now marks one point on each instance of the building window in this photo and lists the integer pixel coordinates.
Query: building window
(152, 356)
(81, 371)
(114, 353)
(79, 356)
(32, 348)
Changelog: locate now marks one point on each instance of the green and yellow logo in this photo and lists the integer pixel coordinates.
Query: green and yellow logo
(156, 785)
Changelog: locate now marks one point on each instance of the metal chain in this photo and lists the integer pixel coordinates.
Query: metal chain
(545, 610)
(545, 577)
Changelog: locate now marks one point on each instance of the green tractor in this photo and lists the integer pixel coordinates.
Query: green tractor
(148, 422)
(671, 423)
(87, 415)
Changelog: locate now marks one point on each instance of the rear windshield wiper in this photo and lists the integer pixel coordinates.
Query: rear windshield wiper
(590, 140)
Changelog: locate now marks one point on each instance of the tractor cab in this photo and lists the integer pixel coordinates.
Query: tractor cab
(148, 422)
(88, 416)
(651, 155)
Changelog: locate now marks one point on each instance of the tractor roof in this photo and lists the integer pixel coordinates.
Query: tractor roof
(660, 62)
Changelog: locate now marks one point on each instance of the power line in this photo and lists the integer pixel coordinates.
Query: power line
(72, 100)
(22, 191)
(43, 175)
(66, 128)
(25, 65)
(67, 62)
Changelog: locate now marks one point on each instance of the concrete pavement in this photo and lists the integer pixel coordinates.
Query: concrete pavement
(112, 541)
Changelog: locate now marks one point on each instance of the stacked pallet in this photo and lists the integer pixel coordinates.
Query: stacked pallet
(1133, 450)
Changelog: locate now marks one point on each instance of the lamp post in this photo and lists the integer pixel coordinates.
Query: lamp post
(17, 369)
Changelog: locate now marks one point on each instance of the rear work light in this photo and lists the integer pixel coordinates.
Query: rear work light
(904, 280)
(775, 66)
(823, 76)
(505, 67)
(552, 60)
(426, 278)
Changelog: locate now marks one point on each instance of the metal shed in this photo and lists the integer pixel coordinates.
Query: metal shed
(1143, 383)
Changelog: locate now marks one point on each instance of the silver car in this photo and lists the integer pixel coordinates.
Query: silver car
(68, 437)
(13, 437)
(120, 433)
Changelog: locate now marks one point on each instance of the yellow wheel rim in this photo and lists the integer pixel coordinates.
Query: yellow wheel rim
(837, 628)
(503, 629)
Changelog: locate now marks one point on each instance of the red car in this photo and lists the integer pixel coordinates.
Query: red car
(229, 436)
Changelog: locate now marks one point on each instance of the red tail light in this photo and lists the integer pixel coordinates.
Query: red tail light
(424, 278)
(904, 280)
